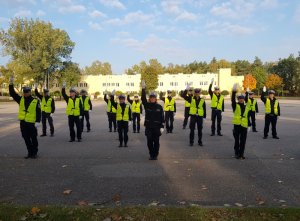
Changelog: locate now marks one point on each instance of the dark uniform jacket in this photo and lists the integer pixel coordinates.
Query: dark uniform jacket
(154, 117)
(46, 98)
(27, 102)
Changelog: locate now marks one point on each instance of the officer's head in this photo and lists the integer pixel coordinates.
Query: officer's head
(197, 92)
(217, 90)
(271, 94)
(83, 92)
(251, 94)
(152, 97)
(169, 92)
(136, 97)
(190, 91)
(26, 91)
(241, 99)
(122, 98)
(72, 93)
(46, 92)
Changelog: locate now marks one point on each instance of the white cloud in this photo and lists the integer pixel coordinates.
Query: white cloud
(297, 14)
(171, 6)
(72, 9)
(186, 16)
(133, 17)
(113, 4)
(79, 31)
(40, 13)
(226, 28)
(95, 26)
(23, 13)
(96, 14)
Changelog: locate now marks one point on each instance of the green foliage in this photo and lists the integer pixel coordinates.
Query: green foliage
(98, 68)
(260, 74)
(225, 92)
(70, 73)
(150, 76)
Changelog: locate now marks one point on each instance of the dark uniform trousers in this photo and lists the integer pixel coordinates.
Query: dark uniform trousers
(216, 114)
(86, 115)
(153, 135)
(186, 116)
(193, 121)
(251, 119)
(29, 134)
(270, 119)
(136, 117)
(169, 118)
(45, 117)
(112, 120)
(74, 120)
(240, 136)
(123, 131)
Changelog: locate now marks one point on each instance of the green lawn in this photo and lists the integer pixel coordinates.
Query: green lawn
(86, 213)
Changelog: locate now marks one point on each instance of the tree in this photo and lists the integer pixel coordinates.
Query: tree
(274, 81)
(35, 47)
(242, 67)
(98, 68)
(249, 81)
(70, 73)
(150, 76)
(213, 65)
(260, 74)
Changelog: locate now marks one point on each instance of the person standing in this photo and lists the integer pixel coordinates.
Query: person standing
(48, 108)
(252, 104)
(170, 110)
(74, 112)
(187, 105)
(240, 123)
(123, 118)
(87, 107)
(29, 114)
(197, 113)
(154, 122)
(137, 110)
(272, 112)
(217, 107)
(111, 114)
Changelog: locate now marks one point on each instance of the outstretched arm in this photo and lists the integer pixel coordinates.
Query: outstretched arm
(65, 96)
(38, 94)
(129, 100)
(13, 94)
(144, 99)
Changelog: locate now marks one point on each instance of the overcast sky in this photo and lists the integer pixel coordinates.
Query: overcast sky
(173, 31)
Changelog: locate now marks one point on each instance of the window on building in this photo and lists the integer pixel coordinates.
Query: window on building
(132, 84)
(176, 83)
(171, 84)
(161, 83)
(117, 84)
(85, 84)
(108, 84)
(112, 84)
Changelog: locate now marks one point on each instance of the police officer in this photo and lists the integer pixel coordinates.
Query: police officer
(252, 104)
(170, 110)
(74, 112)
(154, 122)
(240, 123)
(29, 114)
(123, 117)
(186, 106)
(197, 113)
(272, 111)
(111, 114)
(48, 108)
(87, 107)
(137, 110)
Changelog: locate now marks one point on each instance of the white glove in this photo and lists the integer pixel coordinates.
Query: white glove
(264, 89)
(11, 79)
(212, 81)
(162, 130)
(187, 87)
(50, 114)
(37, 125)
(129, 123)
(248, 89)
(234, 88)
(249, 129)
(64, 84)
(113, 92)
(143, 84)
(90, 110)
(80, 117)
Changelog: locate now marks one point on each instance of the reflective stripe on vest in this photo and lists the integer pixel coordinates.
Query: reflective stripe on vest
(136, 107)
(215, 103)
(169, 105)
(251, 105)
(194, 110)
(268, 107)
(125, 116)
(86, 104)
(110, 108)
(28, 115)
(46, 106)
(238, 119)
(71, 109)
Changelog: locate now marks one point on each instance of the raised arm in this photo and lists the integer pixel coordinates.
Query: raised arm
(246, 97)
(210, 91)
(129, 100)
(186, 97)
(233, 99)
(113, 103)
(263, 94)
(105, 98)
(13, 94)
(161, 97)
(65, 96)
(144, 98)
(38, 94)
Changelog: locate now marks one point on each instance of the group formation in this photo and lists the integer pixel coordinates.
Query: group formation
(121, 113)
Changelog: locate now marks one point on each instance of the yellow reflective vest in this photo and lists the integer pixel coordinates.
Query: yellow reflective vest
(136, 107)
(169, 105)
(238, 118)
(268, 107)
(125, 116)
(197, 111)
(251, 104)
(215, 103)
(46, 106)
(28, 115)
(73, 110)
(86, 104)
(110, 108)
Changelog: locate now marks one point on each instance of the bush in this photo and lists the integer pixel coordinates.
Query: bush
(204, 92)
(225, 92)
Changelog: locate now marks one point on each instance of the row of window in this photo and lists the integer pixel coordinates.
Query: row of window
(186, 83)
(128, 84)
